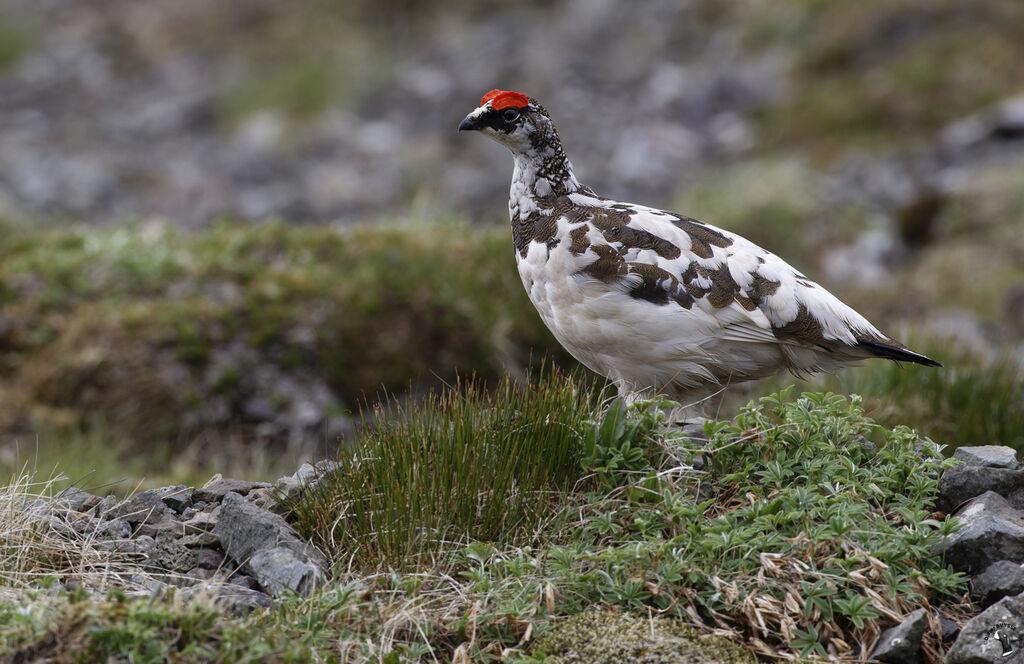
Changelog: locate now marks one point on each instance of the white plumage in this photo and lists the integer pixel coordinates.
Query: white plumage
(655, 301)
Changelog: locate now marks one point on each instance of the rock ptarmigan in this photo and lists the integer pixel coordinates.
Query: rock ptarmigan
(655, 301)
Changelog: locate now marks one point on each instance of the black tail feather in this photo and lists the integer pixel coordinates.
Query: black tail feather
(897, 353)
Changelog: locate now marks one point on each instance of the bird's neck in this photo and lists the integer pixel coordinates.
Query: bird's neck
(539, 175)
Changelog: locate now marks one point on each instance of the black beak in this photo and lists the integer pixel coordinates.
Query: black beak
(468, 125)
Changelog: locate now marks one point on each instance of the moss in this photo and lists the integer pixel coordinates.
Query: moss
(597, 637)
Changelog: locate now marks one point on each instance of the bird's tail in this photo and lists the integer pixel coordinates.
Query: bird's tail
(895, 351)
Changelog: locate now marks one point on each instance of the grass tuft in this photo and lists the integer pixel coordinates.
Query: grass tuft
(466, 464)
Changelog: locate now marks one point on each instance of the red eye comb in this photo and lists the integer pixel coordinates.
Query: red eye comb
(505, 99)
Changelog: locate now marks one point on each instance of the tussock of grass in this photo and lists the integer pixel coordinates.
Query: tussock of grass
(466, 464)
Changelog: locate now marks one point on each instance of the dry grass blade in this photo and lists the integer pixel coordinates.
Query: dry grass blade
(42, 540)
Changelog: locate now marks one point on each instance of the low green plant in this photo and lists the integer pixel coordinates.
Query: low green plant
(466, 464)
(814, 535)
(804, 538)
(971, 400)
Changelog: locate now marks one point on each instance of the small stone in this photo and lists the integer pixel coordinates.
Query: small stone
(178, 498)
(902, 644)
(988, 456)
(140, 508)
(86, 526)
(244, 580)
(76, 499)
(137, 549)
(188, 513)
(282, 568)
(201, 574)
(167, 527)
(210, 559)
(992, 531)
(218, 487)
(266, 499)
(999, 579)
(171, 555)
(106, 504)
(228, 596)
(114, 529)
(201, 540)
(949, 628)
(201, 522)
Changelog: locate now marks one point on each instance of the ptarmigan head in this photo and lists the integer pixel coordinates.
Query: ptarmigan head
(514, 120)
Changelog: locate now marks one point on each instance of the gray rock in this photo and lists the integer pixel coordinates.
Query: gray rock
(237, 599)
(167, 526)
(114, 529)
(291, 486)
(170, 555)
(176, 497)
(961, 483)
(282, 568)
(202, 521)
(992, 531)
(75, 499)
(994, 635)
(137, 549)
(140, 508)
(950, 630)
(902, 644)
(999, 579)
(988, 456)
(267, 499)
(218, 487)
(106, 504)
(202, 540)
(209, 559)
(265, 544)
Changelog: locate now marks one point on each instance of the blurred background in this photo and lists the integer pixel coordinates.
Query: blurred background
(224, 225)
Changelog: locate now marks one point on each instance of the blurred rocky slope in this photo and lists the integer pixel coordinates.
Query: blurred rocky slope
(878, 145)
(317, 110)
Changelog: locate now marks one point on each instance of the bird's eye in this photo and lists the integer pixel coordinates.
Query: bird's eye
(510, 114)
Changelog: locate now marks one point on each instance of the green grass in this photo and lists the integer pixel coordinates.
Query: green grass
(474, 464)
(803, 539)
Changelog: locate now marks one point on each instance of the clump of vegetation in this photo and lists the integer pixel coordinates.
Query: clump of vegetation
(804, 539)
(73, 627)
(611, 637)
(40, 545)
(470, 464)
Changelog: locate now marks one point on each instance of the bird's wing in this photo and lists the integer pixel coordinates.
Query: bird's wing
(752, 294)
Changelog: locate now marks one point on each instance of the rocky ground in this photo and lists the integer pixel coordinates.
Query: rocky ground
(227, 543)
